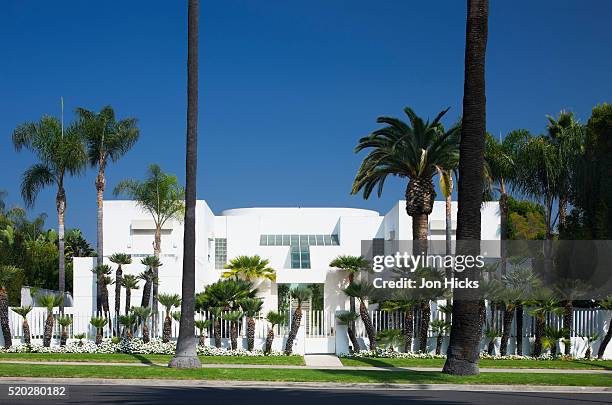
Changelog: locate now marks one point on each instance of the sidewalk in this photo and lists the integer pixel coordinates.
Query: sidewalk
(316, 364)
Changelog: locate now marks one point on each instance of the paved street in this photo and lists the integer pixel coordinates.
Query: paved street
(109, 394)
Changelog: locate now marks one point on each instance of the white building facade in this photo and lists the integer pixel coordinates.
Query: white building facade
(299, 243)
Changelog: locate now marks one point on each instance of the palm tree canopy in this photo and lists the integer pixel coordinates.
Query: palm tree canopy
(276, 318)
(147, 276)
(159, 194)
(232, 316)
(23, 311)
(249, 267)
(500, 156)
(300, 293)
(227, 293)
(360, 290)
(142, 313)
(50, 301)
(440, 326)
(251, 306)
(120, 258)
(169, 301)
(8, 275)
(201, 325)
(106, 138)
(130, 281)
(151, 262)
(346, 318)
(102, 270)
(58, 153)
(350, 264)
(98, 321)
(127, 320)
(416, 150)
(64, 321)
(176, 315)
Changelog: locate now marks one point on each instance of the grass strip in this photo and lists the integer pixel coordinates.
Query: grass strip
(484, 363)
(150, 358)
(295, 375)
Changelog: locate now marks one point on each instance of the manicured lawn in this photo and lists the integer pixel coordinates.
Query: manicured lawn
(345, 376)
(485, 363)
(150, 358)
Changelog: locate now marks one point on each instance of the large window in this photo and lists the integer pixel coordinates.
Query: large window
(220, 253)
(299, 246)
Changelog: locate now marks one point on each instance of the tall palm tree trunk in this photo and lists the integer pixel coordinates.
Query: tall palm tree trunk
(250, 333)
(186, 356)
(146, 295)
(4, 321)
(98, 336)
(202, 339)
(519, 329)
(351, 325)
(507, 326)
(367, 322)
(269, 340)
(48, 331)
(503, 226)
(100, 184)
(439, 339)
(568, 320)
(449, 225)
(295, 326)
(234, 335)
(27, 337)
(424, 325)
(408, 330)
(146, 337)
(61, 209)
(463, 349)
(155, 292)
(217, 332)
(353, 338)
(167, 332)
(118, 278)
(540, 324)
(128, 299)
(562, 210)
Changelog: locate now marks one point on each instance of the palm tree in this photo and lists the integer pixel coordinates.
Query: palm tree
(169, 301)
(390, 338)
(463, 353)
(416, 151)
(363, 291)
(352, 265)
(251, 308)
(120, 259)
(439, 327)
(150, 278)
(550, 339)
(24, 311)
(216, 312)
(129, 282)
(102, 271)
(162, 197)
(64, 322)
(542, 308)
(300, 294)
(99, 323)
(49, 302)
(406, 303)
(128, 320)
(249, 267)
(107, 141)
(491, 334)
(202, 325)
(589, 343)
(233, 317)
(607, 305)
(274, 318)
(80, 337)
(8, 275)
(142, 316)
(60, 153)
(570, 290)
(348, 318)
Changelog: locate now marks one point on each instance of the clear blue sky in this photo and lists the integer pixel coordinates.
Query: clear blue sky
(286, 87)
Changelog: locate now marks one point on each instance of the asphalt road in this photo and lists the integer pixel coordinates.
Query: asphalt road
(125, 394)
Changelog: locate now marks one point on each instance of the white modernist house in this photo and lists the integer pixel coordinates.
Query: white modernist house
(299, 242)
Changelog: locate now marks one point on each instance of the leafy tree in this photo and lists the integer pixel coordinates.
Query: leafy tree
(169, 301)
(163, 198)
(300, 294)
(416, 151)
(251, 308)
(77, 245)
(249, 267)
(8, 274)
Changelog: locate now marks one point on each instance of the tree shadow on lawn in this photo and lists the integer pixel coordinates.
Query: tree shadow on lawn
(602, 366)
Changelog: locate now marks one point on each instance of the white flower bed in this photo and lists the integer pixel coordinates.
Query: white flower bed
(134, 346)
(389, 354)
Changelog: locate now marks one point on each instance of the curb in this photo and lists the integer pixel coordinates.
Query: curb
(306, 385)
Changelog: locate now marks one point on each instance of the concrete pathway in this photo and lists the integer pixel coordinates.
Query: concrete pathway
(323, 361)
(318, 363)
